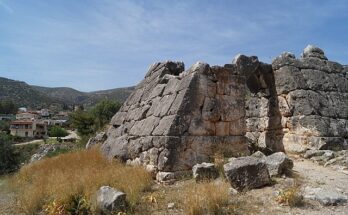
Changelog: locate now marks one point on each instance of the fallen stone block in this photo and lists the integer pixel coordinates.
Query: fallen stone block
(278, 163)
(247, 173)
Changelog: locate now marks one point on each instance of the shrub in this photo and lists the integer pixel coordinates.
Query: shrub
(57, 131)
(89, 122)
(68, 179)
(290, 196)
(206, 198)
(8, 157)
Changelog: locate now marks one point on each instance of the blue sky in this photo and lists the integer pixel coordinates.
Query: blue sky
(102, 44)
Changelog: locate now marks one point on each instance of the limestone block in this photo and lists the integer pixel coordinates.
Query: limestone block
(284, 108)
(319, 80)
(289, 78)
(237, 127)
(164, 125)
(210, 111)
(157, 91)
(201, 127)
(230, 108)
(222, 128)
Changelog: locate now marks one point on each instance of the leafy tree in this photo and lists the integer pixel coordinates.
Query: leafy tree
(83, 121)
(57, 131)
(4, 126)
(104, 111)
(88, 122)
(8, 107)
(8, 158)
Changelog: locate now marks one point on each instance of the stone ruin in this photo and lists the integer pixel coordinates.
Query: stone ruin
(175, 119)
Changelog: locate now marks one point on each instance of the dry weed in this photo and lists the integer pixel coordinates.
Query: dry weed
(206, 198)
(75, 174)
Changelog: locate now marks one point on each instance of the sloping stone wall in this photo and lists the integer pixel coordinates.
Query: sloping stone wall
(175, 119)
(313, 100)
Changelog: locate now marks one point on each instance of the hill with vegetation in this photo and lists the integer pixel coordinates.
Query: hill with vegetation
(23, 94)
(71, 96)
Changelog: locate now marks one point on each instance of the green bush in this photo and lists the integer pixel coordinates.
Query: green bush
(4, 126)
(89, 122)
(8, 107)
(57, 131)
(8, 157)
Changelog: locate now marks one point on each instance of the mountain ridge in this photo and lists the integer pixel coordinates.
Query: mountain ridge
(35, 96)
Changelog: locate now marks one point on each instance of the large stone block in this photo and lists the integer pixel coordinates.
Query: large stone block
(246, 173)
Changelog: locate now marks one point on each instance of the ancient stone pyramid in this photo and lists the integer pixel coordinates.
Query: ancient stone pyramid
(175, 118)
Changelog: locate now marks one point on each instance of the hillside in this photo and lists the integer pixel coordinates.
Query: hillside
(24, 94)
(72, 96)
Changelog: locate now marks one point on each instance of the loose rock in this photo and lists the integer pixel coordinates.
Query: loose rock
(204, 171)
(111, 200)
(247, 173)
(278, 163)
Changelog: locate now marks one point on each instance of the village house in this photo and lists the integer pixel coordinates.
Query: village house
(27, 116)
(29, 128)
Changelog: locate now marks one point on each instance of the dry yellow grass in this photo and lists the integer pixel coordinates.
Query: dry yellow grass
(206, 198)
(61, 178)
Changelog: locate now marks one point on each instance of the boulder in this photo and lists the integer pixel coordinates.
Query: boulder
(165, 177)
(325, 197)
(313, 51)
(278, 163)
(246, 173)
(204, 171)
(111, 200)
(259, 154)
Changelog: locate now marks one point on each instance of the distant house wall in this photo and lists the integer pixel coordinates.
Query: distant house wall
(29, 129)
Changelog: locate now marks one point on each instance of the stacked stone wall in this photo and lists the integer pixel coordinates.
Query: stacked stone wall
(313, 101)
(175, 119)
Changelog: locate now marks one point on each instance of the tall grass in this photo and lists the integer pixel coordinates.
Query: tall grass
(80, 173)
(206, 198)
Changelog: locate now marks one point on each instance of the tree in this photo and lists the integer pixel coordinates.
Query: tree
(89, 122)
(8, 107)
(83, 121)
(8, 158)
(4, 126)
(104, 111)
(57, 131)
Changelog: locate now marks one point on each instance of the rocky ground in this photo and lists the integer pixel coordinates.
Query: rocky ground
(308, 174)
(317, 183)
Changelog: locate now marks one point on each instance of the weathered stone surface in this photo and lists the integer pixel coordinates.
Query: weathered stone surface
(175, 119)
(312, 51)
(278, 163)
(204, 171)
(247, 173)
(325, 197)
(98, 139)
(110, 200)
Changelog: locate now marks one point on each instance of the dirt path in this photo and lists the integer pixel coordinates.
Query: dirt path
(7, 199)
